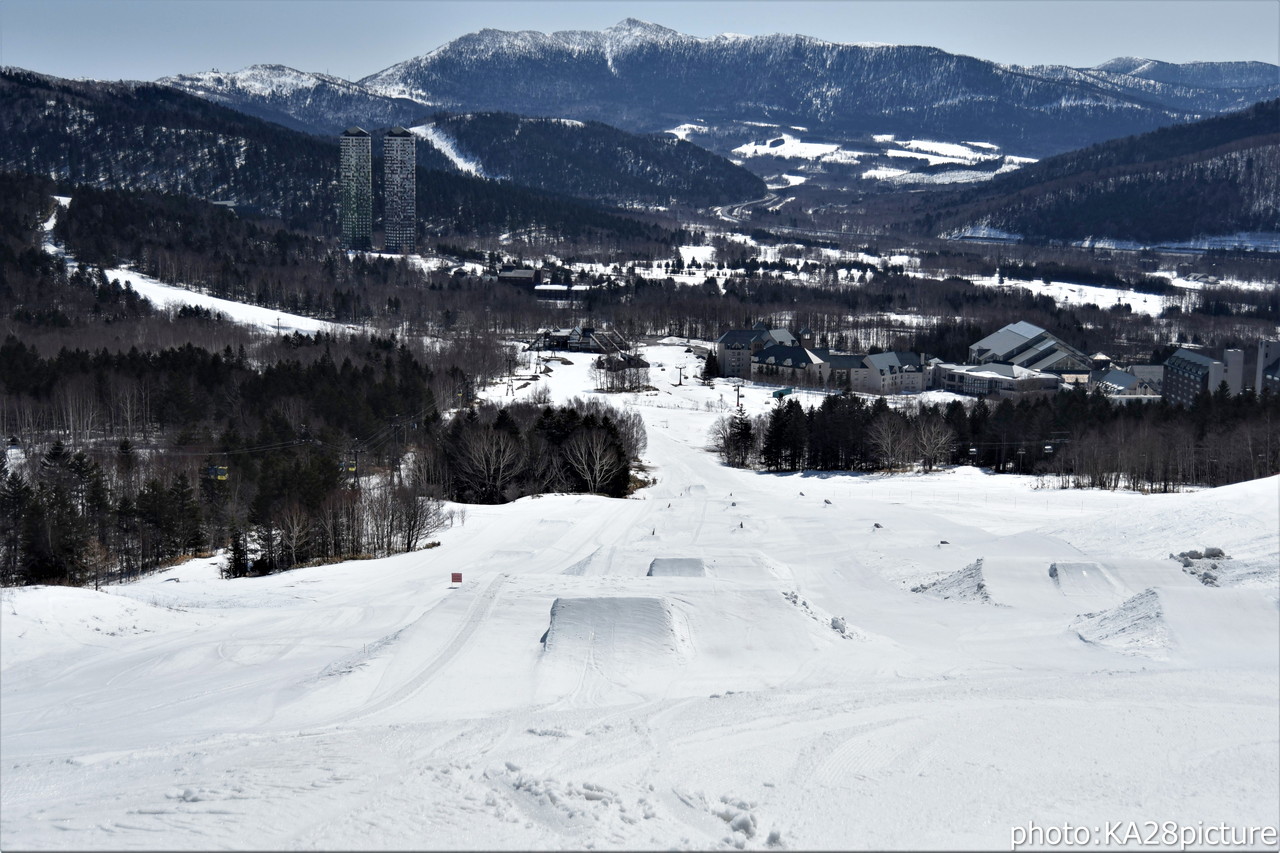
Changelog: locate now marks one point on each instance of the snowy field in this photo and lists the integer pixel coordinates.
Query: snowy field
(728, 659)
(1070, 293)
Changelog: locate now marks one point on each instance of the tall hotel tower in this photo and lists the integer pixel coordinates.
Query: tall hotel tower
(400, 221)
(357, 189)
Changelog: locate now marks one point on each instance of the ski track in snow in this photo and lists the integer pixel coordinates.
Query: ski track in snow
(775, 683)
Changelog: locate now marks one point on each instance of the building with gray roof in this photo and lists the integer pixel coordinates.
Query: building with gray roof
(1123, 386)
(991, 380)
(893, 373)
(735, 347)
(1027, 345)
(1187, 373)
(399, 191)
(791, 365)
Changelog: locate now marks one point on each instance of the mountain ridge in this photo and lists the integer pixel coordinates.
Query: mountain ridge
(1212, 177)
(644, 77)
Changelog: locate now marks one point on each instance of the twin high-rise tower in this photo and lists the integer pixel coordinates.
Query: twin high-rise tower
(399, 220)
(356, 210)
(400, 223)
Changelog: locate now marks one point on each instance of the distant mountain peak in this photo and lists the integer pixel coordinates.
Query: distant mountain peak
(635, 26)
(1124, 64)
(1215, 75)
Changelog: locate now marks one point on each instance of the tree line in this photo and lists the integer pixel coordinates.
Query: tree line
(119, 463)
(1076, 439)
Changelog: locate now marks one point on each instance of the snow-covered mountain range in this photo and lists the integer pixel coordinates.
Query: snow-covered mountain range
(316, 103)
(642, 77)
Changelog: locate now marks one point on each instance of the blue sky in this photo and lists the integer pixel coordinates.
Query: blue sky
(146, 39)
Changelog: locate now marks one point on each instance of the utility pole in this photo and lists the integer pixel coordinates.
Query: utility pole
(737, 389)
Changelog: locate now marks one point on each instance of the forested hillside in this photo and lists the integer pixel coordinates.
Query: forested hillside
(143, 136)
(1217, 176)
(594, 160)
(301, 100)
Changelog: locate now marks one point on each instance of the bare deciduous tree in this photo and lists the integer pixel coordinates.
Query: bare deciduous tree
(889, 439)
(935, 441)
(418, 515)
(78, 411)
(486, 462)
(594, 456)
(379, 513)
(295, 531)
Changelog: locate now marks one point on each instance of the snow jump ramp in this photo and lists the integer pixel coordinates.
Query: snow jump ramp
(603, 649)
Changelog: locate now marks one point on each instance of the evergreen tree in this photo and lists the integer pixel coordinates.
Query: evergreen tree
(15, 499)
(710, 367)
(238, 554)
(187, 523)
(741, 439)
(772, 449)
(786, 437)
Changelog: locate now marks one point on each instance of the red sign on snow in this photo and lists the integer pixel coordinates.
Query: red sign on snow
(456, 577)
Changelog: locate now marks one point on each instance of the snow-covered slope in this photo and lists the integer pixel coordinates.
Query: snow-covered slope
(316, 103)
(442, 143)
(774, 683)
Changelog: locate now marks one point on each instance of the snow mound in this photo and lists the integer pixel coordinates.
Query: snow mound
(616, 636)
(678, 567)
(968, 584)
(1083, 579)
(1136, 627)
(38, 619)
(1240, 519)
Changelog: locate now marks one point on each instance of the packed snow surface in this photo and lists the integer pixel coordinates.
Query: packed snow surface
(687, 567)
(727, 659)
